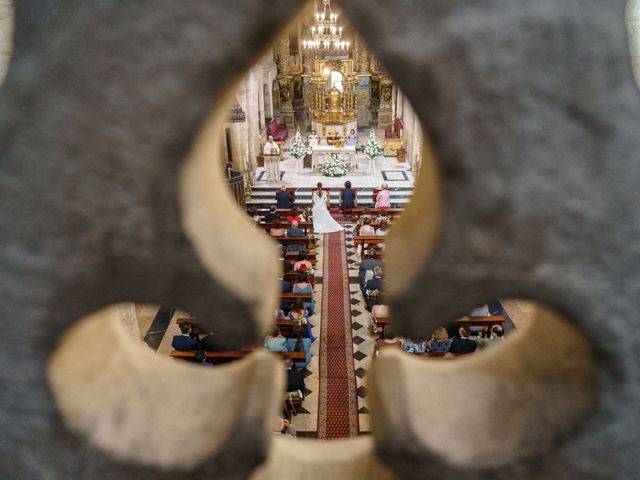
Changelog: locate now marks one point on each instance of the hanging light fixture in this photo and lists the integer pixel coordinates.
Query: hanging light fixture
(325, 33)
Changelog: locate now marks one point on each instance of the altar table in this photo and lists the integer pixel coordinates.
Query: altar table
(319, 150)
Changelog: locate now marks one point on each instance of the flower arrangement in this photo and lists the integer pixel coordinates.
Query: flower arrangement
(299, 147)
(334, 167)
(372, 148)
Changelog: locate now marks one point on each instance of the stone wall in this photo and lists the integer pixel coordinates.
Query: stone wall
(109, 118)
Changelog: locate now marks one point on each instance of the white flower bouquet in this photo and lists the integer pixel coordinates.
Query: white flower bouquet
(372, 148)
(334, 167)
(299, 147)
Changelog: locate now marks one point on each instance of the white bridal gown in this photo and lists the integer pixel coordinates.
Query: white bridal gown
(323, 222)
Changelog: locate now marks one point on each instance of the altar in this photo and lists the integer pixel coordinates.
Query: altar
(323, 151)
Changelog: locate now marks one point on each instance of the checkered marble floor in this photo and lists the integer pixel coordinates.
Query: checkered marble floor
(363, 340)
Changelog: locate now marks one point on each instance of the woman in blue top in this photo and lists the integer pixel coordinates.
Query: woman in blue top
(299, 344)
(303, 286)
(440, 341)
(275, 342)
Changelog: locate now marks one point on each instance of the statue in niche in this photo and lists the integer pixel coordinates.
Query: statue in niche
(386, 91)
(285, 93)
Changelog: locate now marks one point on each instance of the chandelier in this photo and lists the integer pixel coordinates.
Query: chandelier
(325, 33)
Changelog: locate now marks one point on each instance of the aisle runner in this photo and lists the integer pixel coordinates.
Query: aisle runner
(337, 401)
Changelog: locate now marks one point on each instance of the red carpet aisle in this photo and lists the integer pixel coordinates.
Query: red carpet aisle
(337, 400)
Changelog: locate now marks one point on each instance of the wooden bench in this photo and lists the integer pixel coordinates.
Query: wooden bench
(286, 327)
(307, 242)
(306, 226)
(234, 354)
(291, 276)
(292, 297)
(380, 317)
(391, 212)
(366, 240)
(375, 225)
(311, 256)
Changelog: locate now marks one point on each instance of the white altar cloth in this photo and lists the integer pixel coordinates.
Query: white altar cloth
(321, 150)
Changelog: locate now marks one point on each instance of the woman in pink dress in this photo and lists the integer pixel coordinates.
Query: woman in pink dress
(383, 199)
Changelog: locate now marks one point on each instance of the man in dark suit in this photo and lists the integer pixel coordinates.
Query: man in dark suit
(283, 198)
(295, 380)
(183, 341)
(462, 343)
(372, 285)
(295, 232)
(367, 265)
(348, 196)
(271, 214)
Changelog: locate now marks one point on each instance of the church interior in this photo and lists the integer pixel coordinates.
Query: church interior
(335, 271)
(320, 96)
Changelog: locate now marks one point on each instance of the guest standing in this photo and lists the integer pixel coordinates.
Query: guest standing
(383, 199)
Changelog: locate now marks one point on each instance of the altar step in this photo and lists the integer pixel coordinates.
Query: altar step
(263, 197)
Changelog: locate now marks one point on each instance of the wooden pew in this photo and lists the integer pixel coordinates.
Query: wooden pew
(286, 327)
(391, 212)
(366, 240)
(291, 297)
(306, 226)
(234, 354)
(380, 318)
(308, 242)
(311, 256)
(291, 276)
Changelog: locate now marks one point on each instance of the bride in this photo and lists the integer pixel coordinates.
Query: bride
(323, 222)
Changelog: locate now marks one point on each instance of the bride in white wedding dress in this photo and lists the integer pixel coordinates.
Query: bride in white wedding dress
(323, 222)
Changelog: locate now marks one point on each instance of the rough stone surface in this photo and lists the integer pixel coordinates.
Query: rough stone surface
(532, 113)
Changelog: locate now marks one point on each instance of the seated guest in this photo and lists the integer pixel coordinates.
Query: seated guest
(271, 214)
(253, 213)
(300, 315)
(348, 196)
(382, 230)
(283, 198)
(462, 343)
(440, 341)
(295, 379)
(295, 232)
(303, 286)
(366, 228)
(294, 215)
(287, 266)
(352, 138)
(277, 230)
(201, 358)
(411, 346)
(302, 263)
(184, 341)
(383, 199)
(496, 335)
(383, 216)
(365, 273)
(300, 344)
(208, 343)
(366, 213)
(373, 288)
(388, 340)
(275, 342)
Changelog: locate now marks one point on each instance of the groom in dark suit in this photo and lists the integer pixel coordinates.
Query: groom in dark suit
(348, 196)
